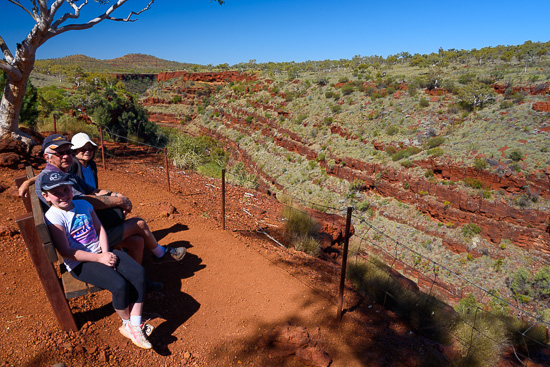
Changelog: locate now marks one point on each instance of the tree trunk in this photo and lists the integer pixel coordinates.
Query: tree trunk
(10, 108)
(14, 91)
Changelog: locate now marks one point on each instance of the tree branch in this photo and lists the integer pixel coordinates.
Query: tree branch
(5, 50)
(54, 31)
(66, 16)
(16, 2)
(12, 71)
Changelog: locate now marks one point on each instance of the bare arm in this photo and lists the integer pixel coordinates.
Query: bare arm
(104, 202)
(24, 188)
(62, 244)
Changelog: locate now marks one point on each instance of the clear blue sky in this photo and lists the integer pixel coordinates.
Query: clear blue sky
(203, 32)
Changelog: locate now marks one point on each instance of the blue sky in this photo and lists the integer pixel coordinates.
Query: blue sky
(203, 32)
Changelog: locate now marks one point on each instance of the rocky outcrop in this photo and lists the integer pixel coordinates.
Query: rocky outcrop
(539, 89)
(165, 118)
(541, 106)
(445, 203)
(211, 77)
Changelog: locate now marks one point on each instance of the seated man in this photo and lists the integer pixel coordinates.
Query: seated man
(59, 157)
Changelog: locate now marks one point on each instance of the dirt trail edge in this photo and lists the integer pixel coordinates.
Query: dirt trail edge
(234, 300)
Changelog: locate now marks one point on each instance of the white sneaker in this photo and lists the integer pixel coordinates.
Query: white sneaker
(136, 335)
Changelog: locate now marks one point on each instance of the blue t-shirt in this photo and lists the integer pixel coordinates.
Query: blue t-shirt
(89, 177)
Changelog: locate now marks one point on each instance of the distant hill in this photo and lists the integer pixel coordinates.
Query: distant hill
(132, 63)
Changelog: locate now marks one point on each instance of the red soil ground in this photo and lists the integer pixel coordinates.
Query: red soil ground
(236, 299)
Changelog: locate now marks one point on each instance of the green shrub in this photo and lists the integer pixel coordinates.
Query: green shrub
(299, 223)
(542, 283)
(363, 206)
(307, 244)
(470, 229)
(347, 90)
(515, 155)
(435, 142)
(435, 152)
(505, 105)
(300, 118)
(392, 130)
(356, 185)
(480, 163)
(474, 183)
(423, 102)
(521, 284)
(405, 153)
(336, 108)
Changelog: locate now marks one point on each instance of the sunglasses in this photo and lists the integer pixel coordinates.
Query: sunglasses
(85, 149)
(62, 153)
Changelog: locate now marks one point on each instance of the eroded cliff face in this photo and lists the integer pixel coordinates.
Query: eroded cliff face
(527, 228)
(498, 219)
(208, 77)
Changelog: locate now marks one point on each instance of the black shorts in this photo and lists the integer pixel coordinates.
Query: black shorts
(115, 235)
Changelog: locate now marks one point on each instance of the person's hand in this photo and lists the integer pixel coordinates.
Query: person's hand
(24, 189)
(108, 258)
(23, 192)
(126, 204)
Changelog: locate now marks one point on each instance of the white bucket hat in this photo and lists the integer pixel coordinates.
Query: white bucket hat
(81, 139)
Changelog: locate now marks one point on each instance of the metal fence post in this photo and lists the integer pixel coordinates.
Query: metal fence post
(102, 146)
(167, 171)
(223, 199)
(344, 264)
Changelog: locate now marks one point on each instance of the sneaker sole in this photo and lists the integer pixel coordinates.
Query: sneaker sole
(147, 330)
(169, 259)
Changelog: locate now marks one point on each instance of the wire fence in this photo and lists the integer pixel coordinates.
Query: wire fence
(245, 211)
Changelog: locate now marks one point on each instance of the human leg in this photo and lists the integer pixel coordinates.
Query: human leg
(133, 243)
(137, 226)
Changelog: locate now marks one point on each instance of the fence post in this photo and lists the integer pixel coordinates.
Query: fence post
(223, 199)
(344, 264)
(102, 147)
(54, 123)
(167, 171)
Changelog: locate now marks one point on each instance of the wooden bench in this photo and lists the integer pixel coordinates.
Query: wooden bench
(58, 283)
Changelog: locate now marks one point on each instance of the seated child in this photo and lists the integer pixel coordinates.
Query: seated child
(82, 241)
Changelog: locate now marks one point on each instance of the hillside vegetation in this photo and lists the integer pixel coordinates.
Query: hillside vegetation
(444, 157)
(448, 152)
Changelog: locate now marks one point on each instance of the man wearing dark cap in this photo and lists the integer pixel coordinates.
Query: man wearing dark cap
(59, 157)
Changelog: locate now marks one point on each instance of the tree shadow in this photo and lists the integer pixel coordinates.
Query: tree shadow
(94, 315)
(161, 233)
(171, 305)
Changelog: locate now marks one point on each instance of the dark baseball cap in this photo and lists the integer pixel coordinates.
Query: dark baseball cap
(54, 141)
(54, 179)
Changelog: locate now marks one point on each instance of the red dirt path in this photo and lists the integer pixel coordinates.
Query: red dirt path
(224, 305)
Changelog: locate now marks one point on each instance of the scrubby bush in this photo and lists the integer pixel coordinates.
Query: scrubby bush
(392, 130)
(336, 108)
(480, 163)
(474, 183)
(405, 153)
(435, 152)
(347, 89)
(435, 142)
(521, 284)
(470, 229)
(423, 102)
(515, 155)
